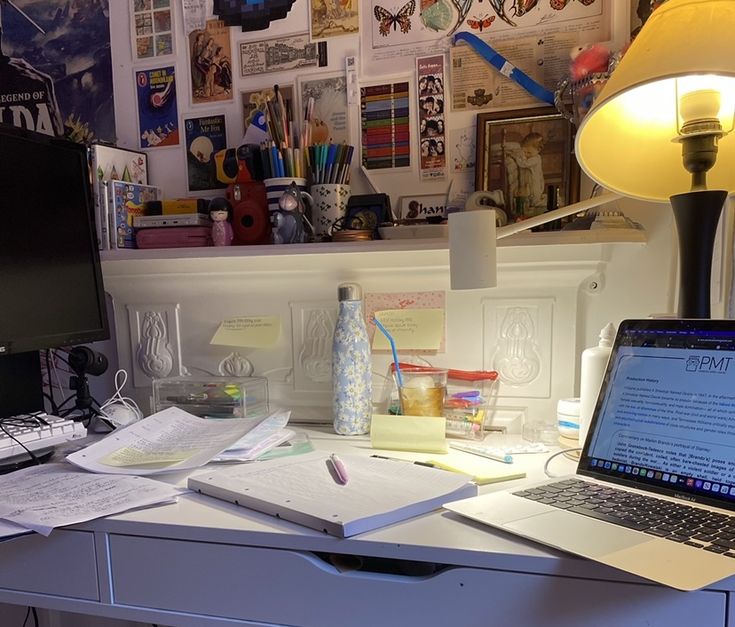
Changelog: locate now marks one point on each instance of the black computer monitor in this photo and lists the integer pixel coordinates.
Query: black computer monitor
(51, 289)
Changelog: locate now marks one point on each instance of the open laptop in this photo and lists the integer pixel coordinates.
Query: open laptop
(654, 491)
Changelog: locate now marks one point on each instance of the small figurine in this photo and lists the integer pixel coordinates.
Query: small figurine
(220, 210)
(289, 219)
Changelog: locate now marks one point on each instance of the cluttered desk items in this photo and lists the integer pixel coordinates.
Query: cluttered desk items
(304, 490)
(661, 426)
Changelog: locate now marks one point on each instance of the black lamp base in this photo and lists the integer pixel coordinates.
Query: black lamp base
(697, 215)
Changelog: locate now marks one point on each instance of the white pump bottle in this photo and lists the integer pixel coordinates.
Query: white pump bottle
(594, 363)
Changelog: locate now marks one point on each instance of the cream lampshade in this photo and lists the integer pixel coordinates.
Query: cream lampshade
(661, 127)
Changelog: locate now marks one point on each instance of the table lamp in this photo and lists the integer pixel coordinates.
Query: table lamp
(472, 237)
(661, 127)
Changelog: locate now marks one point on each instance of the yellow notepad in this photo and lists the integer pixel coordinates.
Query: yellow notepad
(481, 470)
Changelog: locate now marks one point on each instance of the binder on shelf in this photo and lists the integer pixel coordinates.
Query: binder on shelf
(304, 490)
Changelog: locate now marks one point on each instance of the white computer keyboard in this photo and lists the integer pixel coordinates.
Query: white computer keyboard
(500, 453)
(36, 435)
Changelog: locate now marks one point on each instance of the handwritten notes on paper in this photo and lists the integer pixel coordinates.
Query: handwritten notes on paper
(251, 332)
(41, 498)
(168, 440)
(412, 329)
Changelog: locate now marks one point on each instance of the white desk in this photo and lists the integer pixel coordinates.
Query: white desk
(203, 562)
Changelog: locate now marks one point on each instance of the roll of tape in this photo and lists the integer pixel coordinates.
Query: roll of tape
(488, 200)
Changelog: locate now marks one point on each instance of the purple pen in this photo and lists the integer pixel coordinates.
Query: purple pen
(468, 394)
(339, 469)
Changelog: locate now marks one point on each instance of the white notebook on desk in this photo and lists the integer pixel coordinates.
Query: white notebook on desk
(303, 490)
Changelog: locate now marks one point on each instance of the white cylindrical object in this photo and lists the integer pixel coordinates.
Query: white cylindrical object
(592, 370)
(472, 249)
(567, 415)
(351, 365)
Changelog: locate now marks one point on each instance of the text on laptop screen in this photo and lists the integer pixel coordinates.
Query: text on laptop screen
(665, 414)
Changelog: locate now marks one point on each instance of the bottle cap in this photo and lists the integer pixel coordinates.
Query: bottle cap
(607, 335)
(349, 291)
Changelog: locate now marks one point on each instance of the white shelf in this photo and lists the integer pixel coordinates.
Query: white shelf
(554, 238)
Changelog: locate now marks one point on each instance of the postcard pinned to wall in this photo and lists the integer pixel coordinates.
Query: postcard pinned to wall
(432, 134)
(281, 54)
(462, 145)
(254, 102)
(151, 23)
(330, 119)
(333, 19)
(204, 137)
(210, 64)
(194, 14)
(385, 126)
(158, 118)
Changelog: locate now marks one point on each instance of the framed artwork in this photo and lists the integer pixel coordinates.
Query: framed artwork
(526, 157)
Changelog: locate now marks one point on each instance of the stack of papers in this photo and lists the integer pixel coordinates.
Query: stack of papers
(41, 498)
(167, 441)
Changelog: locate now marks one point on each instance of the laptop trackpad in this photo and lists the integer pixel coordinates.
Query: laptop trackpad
(576, 534)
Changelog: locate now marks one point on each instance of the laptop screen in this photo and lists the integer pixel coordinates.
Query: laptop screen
(665, 416)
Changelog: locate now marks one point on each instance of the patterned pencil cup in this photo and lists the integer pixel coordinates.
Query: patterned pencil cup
(330, 206)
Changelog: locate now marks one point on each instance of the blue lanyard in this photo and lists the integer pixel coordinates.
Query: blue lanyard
(507, 69)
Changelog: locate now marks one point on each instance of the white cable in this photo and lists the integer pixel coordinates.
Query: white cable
(131, 412)
(548, 461)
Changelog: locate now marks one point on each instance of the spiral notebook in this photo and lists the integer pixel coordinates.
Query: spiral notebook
(304, 490)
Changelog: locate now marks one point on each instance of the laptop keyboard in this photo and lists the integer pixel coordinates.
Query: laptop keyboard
(678, 522)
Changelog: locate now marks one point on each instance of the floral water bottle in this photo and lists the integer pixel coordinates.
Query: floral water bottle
(351, 365)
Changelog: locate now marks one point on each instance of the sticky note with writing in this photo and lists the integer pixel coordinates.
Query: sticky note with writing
(252, 332)
(412, 329)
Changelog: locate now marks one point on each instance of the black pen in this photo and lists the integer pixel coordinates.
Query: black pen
(410, 461)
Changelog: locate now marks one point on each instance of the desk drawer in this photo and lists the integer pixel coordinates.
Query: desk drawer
(295, 588)
(63, 564)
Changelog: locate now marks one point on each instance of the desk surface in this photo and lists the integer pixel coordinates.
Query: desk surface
(202, 561)
(440, 536)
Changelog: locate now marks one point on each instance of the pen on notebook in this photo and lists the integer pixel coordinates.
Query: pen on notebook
(410, 461)
(339, 469)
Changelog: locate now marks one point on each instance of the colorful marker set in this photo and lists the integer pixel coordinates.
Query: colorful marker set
(330, 163)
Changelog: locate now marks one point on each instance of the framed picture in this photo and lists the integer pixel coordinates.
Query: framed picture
(526, 157)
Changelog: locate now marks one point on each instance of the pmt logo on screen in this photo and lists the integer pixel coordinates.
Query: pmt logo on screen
(709, 363)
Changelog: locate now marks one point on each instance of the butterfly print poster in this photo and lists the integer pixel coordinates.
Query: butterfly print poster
(393, 33)
(384, 126)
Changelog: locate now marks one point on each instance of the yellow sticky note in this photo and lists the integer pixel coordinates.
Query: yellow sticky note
(482, 471)
(412, 329)
(252, 332)
(408, 433)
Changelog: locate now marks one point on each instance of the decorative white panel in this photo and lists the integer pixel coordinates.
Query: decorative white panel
(313, 327)
(517, 343)
(235, 365)
(155, 342)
